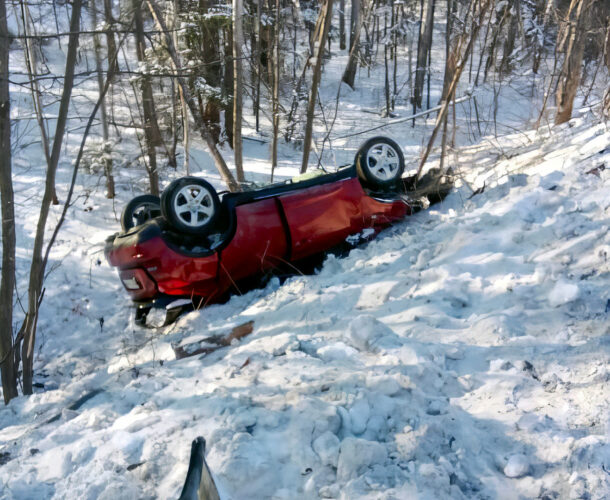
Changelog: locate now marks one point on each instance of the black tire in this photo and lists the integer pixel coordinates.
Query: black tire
(201, 215)
(380, 163)
(139, 210)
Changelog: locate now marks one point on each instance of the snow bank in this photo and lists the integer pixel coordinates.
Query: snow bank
(462, 354)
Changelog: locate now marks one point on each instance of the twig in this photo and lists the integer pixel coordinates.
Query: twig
(80, 156)
(401, 120)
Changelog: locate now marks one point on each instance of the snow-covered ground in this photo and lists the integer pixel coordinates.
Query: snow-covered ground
(464, 353)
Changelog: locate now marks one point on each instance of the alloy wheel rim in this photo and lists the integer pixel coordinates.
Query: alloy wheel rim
(193, 205)
(383, 161)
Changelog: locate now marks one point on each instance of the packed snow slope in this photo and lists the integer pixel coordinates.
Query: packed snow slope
(463, 354)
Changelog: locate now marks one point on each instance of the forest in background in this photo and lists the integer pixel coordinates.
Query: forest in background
(144, 82)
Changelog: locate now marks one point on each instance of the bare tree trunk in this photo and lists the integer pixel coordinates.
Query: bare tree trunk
(170, 151)
(186, 136)
(322, 27)
(368, 47)
(606, 97)
(186, 139)
(363, 20)
(28, 328)
(257, 65)
(607, 46)
(482, 53)
(227, 82)
(424, 45)
(571, 38)
(107, 159)
(295, 29)
(473, 32)
(79, 156)
(110, 43)
(206, 135)
(342, 24)
(275, 98)
(349, 75)
(395, 20)
(450, 55)
(209, 47)
(7, 281)
(68, 201)
(387, 79)
(449, 70)
(31, 59)
(152, 134)
(429, 67)
(238, 43)
(410, 62)
(291, 118)
(509, 41)
(502, 17)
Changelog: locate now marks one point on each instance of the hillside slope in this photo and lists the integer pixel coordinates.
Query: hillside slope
(464, 353)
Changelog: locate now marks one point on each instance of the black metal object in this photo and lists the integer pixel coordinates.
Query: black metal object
(199, 484)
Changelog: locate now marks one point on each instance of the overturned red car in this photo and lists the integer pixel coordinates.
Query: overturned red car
(192, 247)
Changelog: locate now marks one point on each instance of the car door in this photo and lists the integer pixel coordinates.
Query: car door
(320, 217)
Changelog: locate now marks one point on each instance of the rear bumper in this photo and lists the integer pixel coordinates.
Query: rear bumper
(149, 267)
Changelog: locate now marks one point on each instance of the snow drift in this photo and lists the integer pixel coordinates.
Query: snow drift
(463, 354)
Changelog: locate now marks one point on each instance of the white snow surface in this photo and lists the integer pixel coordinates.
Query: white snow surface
(462, 354)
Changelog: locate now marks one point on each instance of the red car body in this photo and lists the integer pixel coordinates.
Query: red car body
(263, 230)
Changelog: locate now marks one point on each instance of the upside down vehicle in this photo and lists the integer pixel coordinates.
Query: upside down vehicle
(192, 246)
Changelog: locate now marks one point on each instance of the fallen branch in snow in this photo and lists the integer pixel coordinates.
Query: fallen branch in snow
(434, 186)
(404, 119)
(76, 405)
(211, 344)
(477, 191)
(597, 170)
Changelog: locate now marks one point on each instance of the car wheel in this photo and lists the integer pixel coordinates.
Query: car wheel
(190, 205)
(380, 162)
(139, 210)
